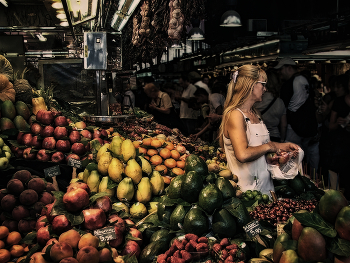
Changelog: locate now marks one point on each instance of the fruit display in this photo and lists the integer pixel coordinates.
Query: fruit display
(255, 195)
(14, 116)
(24, 198)
(11, 248)
(5, 155)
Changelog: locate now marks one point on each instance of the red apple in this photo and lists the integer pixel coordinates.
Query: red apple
(47, 209)
(47, 131)
(80, 185)
(104, 203)
(39, 115)
(57, 157)
(119, 238)
(96, 134)
(43, 235)
(283, 158)
(131, 248)
(18, 152)
(75, 200)
(49, 143)
(86, 134)
(60, 132)
(89, 157)
(56, 113)
(74, 136)
(69, 120)
(104, 133)
(36, 142)
(27, 139)
(28, 155)
(60, 251)
(72, 155)
(63, 145)
(88, 254)
(43, 156)
(32, 119)
(136, 233)
(117, 221)
(60, 224)
(61, 121)
(105, 255)
(20, 137)
(272, 158)
(78, 148)
(47, 117)
(36, 128)
(94, 218)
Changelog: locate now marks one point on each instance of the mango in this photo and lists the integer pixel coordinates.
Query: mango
(104, 162)
(330, 205)
(101, 151)
(116, 145)
(20, 123)
(6, 124)
(311, 245)
(289, 256)
(146, 166)
(133, 170)
(157, 183)
(86, 175)
(103, 187)
(81, 176)
(278, 248)
(93, 181)
(125, 190)
(115, 170)
(297, 227)
(8, 110)
(128, 150)
(342, 223)
(22, 110)
(144, 191)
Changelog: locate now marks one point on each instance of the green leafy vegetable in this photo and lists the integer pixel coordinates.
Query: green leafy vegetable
(316, 221)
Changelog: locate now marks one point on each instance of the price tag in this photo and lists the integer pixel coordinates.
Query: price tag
(74, 162)
(253, 228)
(105, 234)
(280, 227)
(52, 171)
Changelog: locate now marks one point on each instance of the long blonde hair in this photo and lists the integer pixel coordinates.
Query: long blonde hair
(239, 91)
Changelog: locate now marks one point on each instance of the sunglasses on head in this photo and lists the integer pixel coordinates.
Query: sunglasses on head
(262, 83)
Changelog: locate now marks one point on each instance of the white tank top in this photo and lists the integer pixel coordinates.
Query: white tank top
(251, 175)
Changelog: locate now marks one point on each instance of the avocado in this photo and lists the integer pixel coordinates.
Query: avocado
(196, 222)
(152, 250)
(162, 234)
(225, 187)
(330, 205)
(8, 110)
(164, 212)
(195, 163)
(210, 198)
(174, 189)
(191, 187)
(311, 245)
(22, 110)
(6, 124)
(297, 185)
(178, 216)
(224, 224)
(21, 124)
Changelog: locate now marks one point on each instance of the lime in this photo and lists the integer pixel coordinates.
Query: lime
(266, 198)
(255, 192)
(248, 192)
(246, 199)
(250, 196)
(258, 197)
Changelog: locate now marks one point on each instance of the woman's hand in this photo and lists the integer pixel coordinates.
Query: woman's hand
(152, 106)
(285, 147)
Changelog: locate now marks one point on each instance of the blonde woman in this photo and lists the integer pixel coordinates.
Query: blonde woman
(243, 134)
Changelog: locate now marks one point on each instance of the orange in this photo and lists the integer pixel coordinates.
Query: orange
(16, 251)
(161, 168)
(4, 231)
(146, 157)
(166, 179)
(142, 150)
(156, 143)
(156, 160)
(136, 144)
(165, 153)
(180, 164)
(13, 238)
(147, 141)
(170, 146)
(177, 171)
(162, 141)
(175, 154)
(152, 152)
(2, 244)
(5, 255)
(170, 163)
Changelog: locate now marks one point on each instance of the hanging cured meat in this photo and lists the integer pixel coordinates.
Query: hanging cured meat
(144, 28)
(176, 20)
(135, 32)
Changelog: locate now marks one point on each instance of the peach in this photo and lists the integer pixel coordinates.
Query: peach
(131, 248)
(37, 184)
(37, 208)
(41, 222)
(2, 244)
(4, 231)
(136, 233)
(47, 212)
(81, 185)
(117, 221)
(60, 251)
(43, 235)
(88, 240)
(23, 175)
(71, 237)
(69, 260)
(88, 254)
(105, 255)
(8, 203)
(17, 251)
(11, 225)
(20, 259)
(37, 258)
(28, 197)
(75, 200)
(5, 255)
(104, 203)
(20, 212)
(51, 241)
(24, 227)
(94, 218)
(15, 186)
(119, 238)
(60, 224)
(13, 238)
(50, 188)
(46, 198)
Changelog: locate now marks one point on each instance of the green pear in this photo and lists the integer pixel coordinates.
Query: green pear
(3, 163)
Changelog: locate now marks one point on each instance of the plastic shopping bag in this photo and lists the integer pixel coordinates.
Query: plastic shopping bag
(284, 165)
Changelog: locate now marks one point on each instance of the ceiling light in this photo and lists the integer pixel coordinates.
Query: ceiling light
(327, 61)
(65, 23)
(176, 46)
(312, 62)
(61, 16)
(57, 5)
(122, 24)
(230, 19)
(196, 34)
(343, 61)
(41, 37)
(4, 3)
